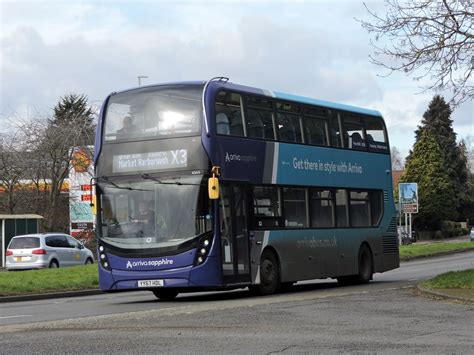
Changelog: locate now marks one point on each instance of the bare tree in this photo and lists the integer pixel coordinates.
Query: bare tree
(397, 160)
(35, 160)
(71, 125)
(11, 170)
(427, 38)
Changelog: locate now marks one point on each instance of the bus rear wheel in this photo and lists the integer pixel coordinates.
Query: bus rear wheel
(269, 275)
(165, 294)
(365, 269)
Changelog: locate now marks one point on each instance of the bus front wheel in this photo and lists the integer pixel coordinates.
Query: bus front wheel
(269, 275)
(165, 294)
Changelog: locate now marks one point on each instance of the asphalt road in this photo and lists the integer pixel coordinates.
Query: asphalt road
(383, 316)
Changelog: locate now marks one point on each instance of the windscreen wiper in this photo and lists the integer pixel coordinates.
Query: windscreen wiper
(149, 177)
(108, 181)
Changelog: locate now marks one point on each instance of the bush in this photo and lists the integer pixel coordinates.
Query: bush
(452, 229)
(87, 237)
(448, 229)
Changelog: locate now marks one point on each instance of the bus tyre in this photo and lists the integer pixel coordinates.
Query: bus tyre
(286, 286)
(366, 268)
(165, 294)
(53, 264)
(269, 275)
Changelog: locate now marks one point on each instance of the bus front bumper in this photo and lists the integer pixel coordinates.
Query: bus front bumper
(205, 275)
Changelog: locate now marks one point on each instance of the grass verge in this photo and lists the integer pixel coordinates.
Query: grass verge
(453, 279)
(457, 285)
(408, 252)
(48, 280)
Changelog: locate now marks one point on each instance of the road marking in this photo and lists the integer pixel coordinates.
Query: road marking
(18, 316)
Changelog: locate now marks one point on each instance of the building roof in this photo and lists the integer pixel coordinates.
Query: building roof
(20, 216)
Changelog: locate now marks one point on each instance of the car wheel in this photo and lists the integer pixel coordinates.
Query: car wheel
(269, 275)
(89, 261)
(165, 294)
(53, 264)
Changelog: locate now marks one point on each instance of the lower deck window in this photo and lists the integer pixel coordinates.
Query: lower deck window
(322, 209)
(359, 209)
(294, 205)
(304, 207)
(267, 209)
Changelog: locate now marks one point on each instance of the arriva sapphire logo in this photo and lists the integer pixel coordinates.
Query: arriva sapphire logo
(155, 263)
(239, 157)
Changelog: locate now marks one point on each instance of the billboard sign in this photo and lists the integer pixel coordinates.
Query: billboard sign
(80, 174)
(408, 193)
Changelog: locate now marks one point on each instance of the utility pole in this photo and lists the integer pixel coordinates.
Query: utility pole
(140, 77)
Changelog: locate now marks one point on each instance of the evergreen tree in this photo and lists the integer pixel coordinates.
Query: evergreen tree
(73, 111)
(466, 196)
(437, 120)
(427, 167)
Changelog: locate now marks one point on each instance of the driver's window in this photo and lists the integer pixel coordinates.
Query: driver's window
(123, 211)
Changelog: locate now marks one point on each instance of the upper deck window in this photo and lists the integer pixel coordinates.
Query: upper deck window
(229, 119)
(288, 122)
(315, 126)
(334, 131)
(289, 129)
(354, 136)
(376, 135)
(260, 119)
(154, 112)
(260, 123)
(266, 118)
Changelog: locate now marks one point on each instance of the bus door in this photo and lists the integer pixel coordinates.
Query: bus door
(234, 236)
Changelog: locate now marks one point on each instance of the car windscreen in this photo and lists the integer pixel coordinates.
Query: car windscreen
(24, 243)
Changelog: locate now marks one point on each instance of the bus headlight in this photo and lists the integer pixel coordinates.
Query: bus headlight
(103, 257)
(203, 249)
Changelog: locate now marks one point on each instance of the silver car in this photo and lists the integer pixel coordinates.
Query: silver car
(47, 250)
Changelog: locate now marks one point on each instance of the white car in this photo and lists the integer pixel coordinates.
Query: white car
(47, 250)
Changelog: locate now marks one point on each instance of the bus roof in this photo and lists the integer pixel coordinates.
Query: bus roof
(300, 99)
(269, 93)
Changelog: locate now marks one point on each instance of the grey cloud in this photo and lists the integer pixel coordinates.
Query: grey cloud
(261, 51)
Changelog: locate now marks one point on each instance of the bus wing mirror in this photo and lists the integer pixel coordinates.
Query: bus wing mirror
(213, 188)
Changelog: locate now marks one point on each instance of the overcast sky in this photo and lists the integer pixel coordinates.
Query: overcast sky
(310, 48)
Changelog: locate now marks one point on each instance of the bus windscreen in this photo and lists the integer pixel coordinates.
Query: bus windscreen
(154, 112)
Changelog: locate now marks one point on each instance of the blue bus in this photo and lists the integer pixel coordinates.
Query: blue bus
(215, 186)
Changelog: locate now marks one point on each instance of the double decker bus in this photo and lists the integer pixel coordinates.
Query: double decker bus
(213, 185)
